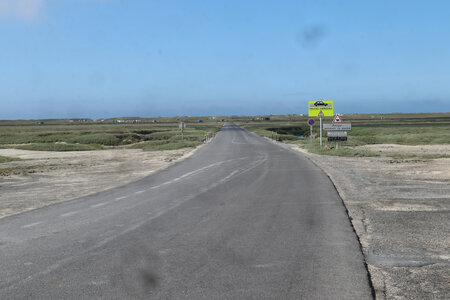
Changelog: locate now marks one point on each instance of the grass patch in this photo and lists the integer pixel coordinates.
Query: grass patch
(401, 135)
(4, 159)
(63, 135)
(403, 155)
(434, 156)
(313, 146)
(59, 147)
(408, 156)
(21, 170)
(106, 139)
(282, 134)
(402, 129)
(166, 145)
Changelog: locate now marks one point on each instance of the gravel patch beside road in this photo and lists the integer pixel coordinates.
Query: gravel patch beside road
(43, 177)
(405, 149)
(400, 210)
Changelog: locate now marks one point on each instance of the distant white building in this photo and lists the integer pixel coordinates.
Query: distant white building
(128, 121)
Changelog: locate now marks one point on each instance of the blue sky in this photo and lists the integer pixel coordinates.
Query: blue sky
(105, 58)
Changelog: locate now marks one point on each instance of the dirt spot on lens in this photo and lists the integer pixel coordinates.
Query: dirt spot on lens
(139, 270)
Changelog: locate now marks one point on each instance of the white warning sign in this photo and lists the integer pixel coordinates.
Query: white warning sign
(337, 119)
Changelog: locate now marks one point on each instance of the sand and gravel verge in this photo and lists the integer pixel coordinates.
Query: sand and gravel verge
(400, 209)
(42, 178)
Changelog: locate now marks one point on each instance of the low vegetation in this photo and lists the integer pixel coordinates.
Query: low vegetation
(4, 159)
(314, 147)
(58, 147)
(402, 129)
(164, 133)
(84, 135)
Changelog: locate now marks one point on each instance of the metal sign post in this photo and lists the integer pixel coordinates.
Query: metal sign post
(320, 108)
(321, 114)
(320, 131)
(311, 123)
(337, 119)
(182, 126)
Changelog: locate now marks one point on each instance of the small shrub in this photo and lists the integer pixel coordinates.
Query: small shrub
(165, 145)
(59, 147)
(99, 138)
(4, 159)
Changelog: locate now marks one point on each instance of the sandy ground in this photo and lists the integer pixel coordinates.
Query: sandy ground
(44, 178)
(388, 149)
(400, 210)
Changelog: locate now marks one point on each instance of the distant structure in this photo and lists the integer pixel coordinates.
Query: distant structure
(128, 121)
(39, 123)
(80, 120)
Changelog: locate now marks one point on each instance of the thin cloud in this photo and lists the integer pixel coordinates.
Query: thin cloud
(27, 10)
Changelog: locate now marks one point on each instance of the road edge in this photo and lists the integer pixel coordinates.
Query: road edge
(299, 151)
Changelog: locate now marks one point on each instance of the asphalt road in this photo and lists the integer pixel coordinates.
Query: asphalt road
(243, 218)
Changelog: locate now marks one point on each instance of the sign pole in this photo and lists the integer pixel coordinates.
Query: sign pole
(320, 109)
(311, 123)
(320, 131)
(182, 130)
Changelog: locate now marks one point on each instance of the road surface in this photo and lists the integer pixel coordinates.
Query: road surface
(243, 218)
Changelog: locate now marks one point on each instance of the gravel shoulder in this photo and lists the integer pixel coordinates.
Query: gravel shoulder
(42, 178)
(400, 209)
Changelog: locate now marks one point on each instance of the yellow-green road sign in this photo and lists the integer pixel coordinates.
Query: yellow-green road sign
(315, 107)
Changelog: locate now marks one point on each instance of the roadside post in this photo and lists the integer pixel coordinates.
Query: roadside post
(182, 126)
(337, 119)
(311, 123)
(321, 115)
(320, 109)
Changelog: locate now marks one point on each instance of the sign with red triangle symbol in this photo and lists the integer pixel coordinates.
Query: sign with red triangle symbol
(337, 119)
